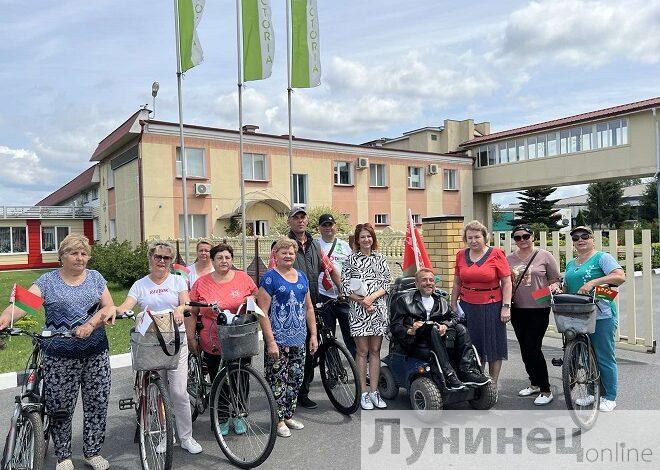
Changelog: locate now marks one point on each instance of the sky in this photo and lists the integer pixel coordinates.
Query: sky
(72, 71)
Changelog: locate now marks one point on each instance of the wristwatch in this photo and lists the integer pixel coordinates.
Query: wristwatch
(506, 305)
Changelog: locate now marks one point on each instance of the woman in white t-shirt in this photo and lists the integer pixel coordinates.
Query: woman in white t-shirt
(161, 290)
(202, 264)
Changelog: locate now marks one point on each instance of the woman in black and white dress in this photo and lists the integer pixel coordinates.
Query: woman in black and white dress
(365, 281)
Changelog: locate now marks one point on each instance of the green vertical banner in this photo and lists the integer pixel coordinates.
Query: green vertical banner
(305, 45)
(190, 50)
(258, 39)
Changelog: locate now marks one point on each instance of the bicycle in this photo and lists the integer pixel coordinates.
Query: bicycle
(339, 373)
(240, 394)
(575, 317)
(154, 431)
(29, 429)
(199, 387)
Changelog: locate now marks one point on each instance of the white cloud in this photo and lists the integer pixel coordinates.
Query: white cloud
(582, 33)
(21, 167)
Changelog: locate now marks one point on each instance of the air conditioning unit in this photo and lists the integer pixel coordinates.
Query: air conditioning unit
(362, 163)
(433, 169)
(202, 189)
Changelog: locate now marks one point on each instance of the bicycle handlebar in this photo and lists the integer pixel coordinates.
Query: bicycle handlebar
(131, 314)
(45, 334)
(338, 300)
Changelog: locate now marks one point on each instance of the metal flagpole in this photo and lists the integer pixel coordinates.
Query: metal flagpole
(184, 159)
(288, 92)
(240, 130)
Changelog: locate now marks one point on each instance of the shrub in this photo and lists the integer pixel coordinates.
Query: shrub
(119, 262)
(343, 226)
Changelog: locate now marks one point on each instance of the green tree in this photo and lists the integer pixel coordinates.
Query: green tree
(343, 225)
(579, 219)
(605, 204)
(497, 212)
(536, 208)
(626, 182)
(648, 204)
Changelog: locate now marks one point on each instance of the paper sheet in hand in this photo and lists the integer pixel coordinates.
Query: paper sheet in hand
(143, 323)
(253, 307)
(357, 286)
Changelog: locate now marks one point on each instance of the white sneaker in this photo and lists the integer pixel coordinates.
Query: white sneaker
(365, 402)
(543, 399)
(64, 465)
(531, 390)
(377, 401)
(97, 463)
(283, 431)
(191, 445)
(585, 401)
(607, 405)
(162, 445)
(293, 424)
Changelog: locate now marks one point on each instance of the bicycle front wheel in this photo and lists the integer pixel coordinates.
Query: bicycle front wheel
(243, 415)
(155, 426)
(29, 447)
(339, 376)
(195, 386)
(581, 380)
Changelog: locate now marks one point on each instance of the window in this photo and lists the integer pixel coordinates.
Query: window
(564, 137)
(95, 194)
(111, 176)
(13, 240)
(415, 177)
(377, 174)
(492, 154)
(511, 145)
(51, 237)
(434, 136)
(85, 197)
(381, 219)
(343, 173)
(194, 162)
(299, 189)
(112, 229)
(254, 166)
(520, 144)
(531, 147)
(540, 146)
(551, 149)
(482, 156)
(585, 143)
(417, 218)
(450, 177)
(257, 227)
(603, 136)
(501, 150)
(196, 225)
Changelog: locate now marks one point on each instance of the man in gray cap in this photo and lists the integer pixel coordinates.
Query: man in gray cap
(309, 261)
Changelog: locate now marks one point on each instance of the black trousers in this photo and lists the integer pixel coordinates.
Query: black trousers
(530, 325)
(309, 370)
(339, 314)
(460, 344)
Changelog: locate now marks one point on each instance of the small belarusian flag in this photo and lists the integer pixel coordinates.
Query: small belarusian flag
(25, 300)
(606, 293)
(181, 270)
(542, 295)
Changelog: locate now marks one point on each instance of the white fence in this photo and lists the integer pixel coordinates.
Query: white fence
(635, 299)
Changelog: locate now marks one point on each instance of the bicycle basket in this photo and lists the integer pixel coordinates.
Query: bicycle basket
(147, 352)
(580, 318)
(239, 341)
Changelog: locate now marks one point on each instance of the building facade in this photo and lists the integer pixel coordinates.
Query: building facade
(140, 191)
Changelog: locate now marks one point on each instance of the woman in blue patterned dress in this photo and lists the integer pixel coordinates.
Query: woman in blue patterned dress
(284, 296)
(368, 316)
(71, 366)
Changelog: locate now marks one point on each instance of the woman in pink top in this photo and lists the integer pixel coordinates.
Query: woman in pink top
(531, 270)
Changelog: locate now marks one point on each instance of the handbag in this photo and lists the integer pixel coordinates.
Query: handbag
(520, 278)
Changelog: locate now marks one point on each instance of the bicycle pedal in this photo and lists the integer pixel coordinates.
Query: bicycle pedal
(126, 404)
(557, 362)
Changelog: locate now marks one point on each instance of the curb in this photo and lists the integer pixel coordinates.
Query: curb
(117, 361)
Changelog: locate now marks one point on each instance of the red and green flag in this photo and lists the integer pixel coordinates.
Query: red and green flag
(25, 300)
(606, 293)
(181, 270)
(542, 295)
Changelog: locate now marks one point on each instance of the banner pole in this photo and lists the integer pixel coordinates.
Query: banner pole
(239, 57)
(288, 92)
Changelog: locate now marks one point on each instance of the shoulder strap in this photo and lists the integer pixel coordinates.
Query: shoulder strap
(161, 340)
(523, 273)
(332, 248)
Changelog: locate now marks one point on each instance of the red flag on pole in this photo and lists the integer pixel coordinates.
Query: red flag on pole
(414, 252)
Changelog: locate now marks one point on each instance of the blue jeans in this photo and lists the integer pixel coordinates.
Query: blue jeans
(603, 343)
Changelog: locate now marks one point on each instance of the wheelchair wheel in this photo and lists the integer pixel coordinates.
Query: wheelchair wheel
(581, 380)
(485, 397)
(387, 386)
(425, 395)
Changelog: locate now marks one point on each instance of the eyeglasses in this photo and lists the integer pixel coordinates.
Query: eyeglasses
(162, 258)
(584, 236)
(526, 236)
(327, 224)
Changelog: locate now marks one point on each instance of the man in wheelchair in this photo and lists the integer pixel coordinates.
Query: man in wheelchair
(422, 322)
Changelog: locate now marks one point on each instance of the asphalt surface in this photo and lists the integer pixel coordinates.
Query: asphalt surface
(331, 440)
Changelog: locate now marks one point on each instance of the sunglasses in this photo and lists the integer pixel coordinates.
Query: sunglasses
(162, 258)
(584, 236)
(526, 236)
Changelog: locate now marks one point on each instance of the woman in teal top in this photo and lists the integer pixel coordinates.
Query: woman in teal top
(589, 269)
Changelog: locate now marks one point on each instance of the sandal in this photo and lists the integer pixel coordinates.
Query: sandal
(97, 462)
(64, 465)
